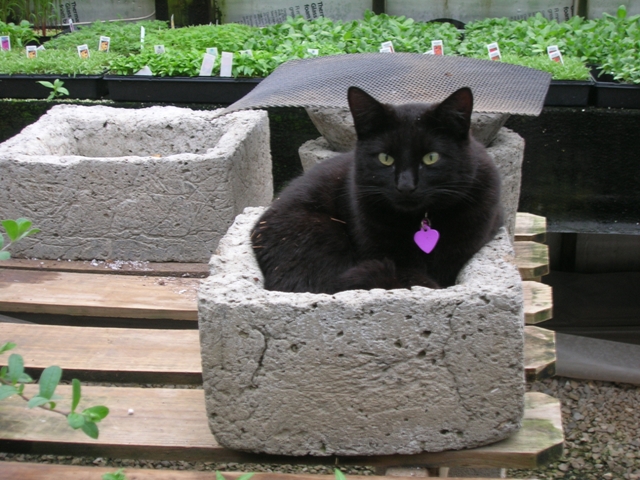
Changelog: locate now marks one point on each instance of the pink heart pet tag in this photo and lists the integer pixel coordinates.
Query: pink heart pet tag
(426, 238)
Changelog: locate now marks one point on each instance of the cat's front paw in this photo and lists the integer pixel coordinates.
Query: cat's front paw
(369, 274)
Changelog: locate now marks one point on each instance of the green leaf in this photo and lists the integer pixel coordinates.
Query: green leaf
(117, 475)
(622, 12)
(246, 476)
(49, 381)
(37, 401)
(63, 91)
(95, 414)
(219, 476)
(75, 420)
(339, 475)
(76, 394)
(7, 346)
(7, 391)
(1, 241)
(91, 429)
(23, 225)
(24, 378)
(11, 227)
(5, 255)
(45, 83)
(16, 367)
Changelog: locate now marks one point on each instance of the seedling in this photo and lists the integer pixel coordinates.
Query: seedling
(57, 89)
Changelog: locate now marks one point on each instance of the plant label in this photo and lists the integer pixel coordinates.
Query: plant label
(144, 72)
(72, 27)
(173, 23)
(494, 51)
(554, 54)
(159, 49)
(32, 51)
(83, 51)
(5, 41)
(105, 43)
(437, 47)
(387, 47)
(142, 34)
(313, 51)
(429, 52)
(212, 51)
(207, 65)
(226, 62)
(40, 48)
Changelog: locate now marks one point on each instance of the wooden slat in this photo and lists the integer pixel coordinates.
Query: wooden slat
(164, 356)
(171, 424)
(43, 471)
(539, 353)
(109, 354)
(195, 270)
(530, 227)
(532, 260)
(98, 295)
(538, 302)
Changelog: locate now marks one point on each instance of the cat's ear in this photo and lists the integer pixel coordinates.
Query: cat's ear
(369, 115)
(455, 111)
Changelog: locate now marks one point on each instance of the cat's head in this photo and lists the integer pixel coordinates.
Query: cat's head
(414, 155)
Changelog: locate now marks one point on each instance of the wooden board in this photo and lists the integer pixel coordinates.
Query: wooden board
(530, 227)
(532, 259)
(98, 295)
(171, 424)
(115, 267)
(538, 302)
(165, 356)
(109, 354)
(539, 353)
(43, 471)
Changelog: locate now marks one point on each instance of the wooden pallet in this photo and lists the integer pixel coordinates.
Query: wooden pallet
(81, 302)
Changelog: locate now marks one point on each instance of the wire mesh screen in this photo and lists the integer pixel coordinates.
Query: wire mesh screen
(398, 78)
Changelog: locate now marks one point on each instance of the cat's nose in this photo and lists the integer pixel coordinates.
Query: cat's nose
(406, 183)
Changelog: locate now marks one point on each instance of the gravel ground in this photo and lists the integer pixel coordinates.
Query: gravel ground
(601, 423)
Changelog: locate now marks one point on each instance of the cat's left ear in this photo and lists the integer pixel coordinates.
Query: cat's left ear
(368, 114)
(455, 111)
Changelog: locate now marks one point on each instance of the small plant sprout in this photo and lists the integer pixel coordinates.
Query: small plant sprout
(57, 88)
(16, 230)
(339, 474)
(117, 475)
(12, 382)
(246, 476)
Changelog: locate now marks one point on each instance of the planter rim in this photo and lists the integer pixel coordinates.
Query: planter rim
(22, 76)
(145, 78)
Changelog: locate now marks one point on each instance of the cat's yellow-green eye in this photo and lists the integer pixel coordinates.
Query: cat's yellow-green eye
(386, 160)
(431, 158)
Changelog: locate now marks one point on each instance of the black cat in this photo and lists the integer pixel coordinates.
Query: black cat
(351, 222)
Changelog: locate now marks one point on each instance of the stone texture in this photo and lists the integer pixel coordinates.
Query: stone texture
(506, 150)
(336, 125)
(157, 184)
(360, 372)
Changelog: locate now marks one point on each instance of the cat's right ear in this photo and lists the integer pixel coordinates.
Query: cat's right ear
(368, 114)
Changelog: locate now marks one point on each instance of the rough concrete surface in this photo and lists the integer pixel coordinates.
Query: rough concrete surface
(361, 372)
(506, 150)
(157, 184)
(336, 125)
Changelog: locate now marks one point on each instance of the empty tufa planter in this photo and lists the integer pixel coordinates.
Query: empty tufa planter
(157, 184)
(361, 372)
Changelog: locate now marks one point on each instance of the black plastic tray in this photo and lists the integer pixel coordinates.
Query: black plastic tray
(179, 89)
(569, 93)
(88, 87)
(617, 95)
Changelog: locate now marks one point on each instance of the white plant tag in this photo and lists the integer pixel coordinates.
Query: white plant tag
(207, 65)
(72, 27)
(5, 41)
(554, 54)
(146, 71)
(83, 51)
(429, 52)
(387, 47)
(226, 62)
(159, 49)
(494, 51)
(142, 34)
(32, 51)
(105, 43)
(437, 47)
(40, 48)
(173, 24)
(313, 51)
(212, 51)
